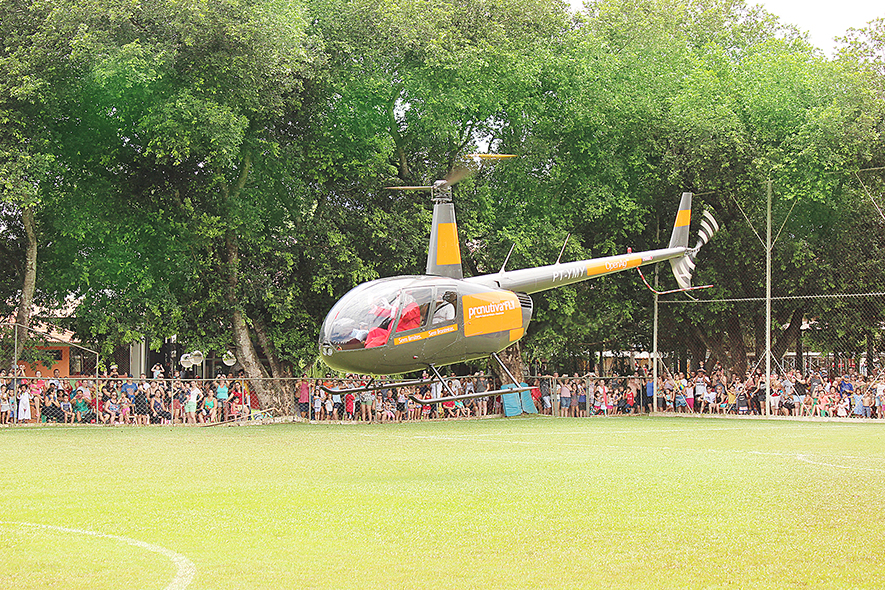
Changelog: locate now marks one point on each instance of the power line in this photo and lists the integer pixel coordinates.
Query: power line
(782, 298)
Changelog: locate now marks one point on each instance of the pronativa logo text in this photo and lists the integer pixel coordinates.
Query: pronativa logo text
(492, 309)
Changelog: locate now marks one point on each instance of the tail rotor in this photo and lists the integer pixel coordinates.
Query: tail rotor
(683, 267)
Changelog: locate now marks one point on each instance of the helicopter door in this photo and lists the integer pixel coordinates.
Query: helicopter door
(443, 325)
(414, 306)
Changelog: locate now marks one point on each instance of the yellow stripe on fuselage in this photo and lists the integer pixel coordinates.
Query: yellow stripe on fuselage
(600, 268)
(425, 335)
(494, 311)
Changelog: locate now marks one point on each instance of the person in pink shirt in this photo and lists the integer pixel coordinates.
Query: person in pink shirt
(303, 397)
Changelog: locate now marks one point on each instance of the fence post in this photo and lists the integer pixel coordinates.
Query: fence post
(587, 396)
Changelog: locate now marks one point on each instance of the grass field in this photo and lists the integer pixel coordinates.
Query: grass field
(519, 503)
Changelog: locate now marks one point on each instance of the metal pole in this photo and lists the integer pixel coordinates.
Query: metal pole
(654, 387)
(654, 400)
(587, 396)
(15, 374)
(768, 304)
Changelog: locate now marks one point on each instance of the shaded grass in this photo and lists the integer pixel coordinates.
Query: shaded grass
(569, 503)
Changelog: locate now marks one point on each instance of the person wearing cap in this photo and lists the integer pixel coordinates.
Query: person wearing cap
(846, 387)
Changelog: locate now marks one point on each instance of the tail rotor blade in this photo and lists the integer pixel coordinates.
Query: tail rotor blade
(709, 226)
(683, 267)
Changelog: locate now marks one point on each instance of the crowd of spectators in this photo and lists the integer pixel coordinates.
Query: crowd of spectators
(122, 400)
(815, 393)
(347, 399)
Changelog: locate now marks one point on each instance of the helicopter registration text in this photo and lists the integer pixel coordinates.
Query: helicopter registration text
(487, 313)
(570, 273)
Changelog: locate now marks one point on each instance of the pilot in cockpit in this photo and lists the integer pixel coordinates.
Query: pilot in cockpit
(445, 308)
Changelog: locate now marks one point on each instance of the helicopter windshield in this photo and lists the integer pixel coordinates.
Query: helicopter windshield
(365, 317)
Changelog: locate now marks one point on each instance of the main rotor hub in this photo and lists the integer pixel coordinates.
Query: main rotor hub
(441, 192)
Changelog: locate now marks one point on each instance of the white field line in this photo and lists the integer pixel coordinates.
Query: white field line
(186, 568)
(804, 457)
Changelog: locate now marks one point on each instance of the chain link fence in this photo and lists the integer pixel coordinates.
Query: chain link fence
(207, 402)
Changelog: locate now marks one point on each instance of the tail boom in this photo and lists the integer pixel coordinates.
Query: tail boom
(534, 280)
(681, 257)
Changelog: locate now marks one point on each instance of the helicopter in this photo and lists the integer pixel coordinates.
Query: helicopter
(402, 324)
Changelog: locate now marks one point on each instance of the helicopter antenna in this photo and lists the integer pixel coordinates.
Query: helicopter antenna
(508, 257)
(563, 247)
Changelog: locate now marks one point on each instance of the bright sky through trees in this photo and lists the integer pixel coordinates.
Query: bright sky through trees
(825, 20)
(822, 20)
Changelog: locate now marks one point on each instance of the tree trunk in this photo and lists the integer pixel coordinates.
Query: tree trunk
(788, 336)
(512, 359)
(736, 344)
(29, 284)
(282, 389)
(698, 352)
(716, 347)
(403, 163)
(246, 353)
(759, 338)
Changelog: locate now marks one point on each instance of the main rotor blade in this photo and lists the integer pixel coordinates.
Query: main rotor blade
(473, 162)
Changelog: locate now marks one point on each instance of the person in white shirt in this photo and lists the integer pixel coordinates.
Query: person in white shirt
(190, 406)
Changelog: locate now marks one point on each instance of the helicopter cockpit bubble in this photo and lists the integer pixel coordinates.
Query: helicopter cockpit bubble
(368, 314)
(371, 306)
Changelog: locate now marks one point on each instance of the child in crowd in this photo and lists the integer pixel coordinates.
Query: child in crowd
(67, 409)
(5, 406)
(842, 407)
(328, 406)
(402, 405)
(389, 413)
(80, 407)
(210, 407)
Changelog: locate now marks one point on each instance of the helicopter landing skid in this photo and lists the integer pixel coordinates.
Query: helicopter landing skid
(370, 387)
(455, 398)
